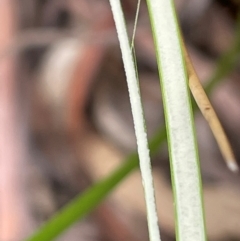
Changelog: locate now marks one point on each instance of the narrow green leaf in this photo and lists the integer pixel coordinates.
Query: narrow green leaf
(138, 119)
(87, 201)
(185, 171)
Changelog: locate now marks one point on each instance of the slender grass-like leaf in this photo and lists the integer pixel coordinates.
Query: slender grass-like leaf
(83, 204)
(138, 119)
(185, 171)
(209, 114)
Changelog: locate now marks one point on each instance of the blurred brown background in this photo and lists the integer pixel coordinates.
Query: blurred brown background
(65, 119)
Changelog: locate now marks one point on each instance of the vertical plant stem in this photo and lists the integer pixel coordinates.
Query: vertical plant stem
(138, 119)
(184, 161)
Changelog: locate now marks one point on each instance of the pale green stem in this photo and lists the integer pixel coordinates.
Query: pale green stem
(138, 119)
(183, 151)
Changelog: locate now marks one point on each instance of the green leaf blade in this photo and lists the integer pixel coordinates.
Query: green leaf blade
(183, 151)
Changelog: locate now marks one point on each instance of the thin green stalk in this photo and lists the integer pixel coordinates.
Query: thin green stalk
(85, 202)
(183, 151)
(138, 120)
